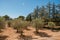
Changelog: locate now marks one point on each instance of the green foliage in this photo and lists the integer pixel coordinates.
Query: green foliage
(50, 12)
(43, 12)
(6, 17)
(19, 24)
(38, 23)
(51, 24)
(2, 23)
(21, 17)
(15, 23)
(29, 18)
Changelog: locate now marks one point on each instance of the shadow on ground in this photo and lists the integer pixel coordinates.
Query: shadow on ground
(3, 37)
(25, 37)
(52, 29)
(42, 34)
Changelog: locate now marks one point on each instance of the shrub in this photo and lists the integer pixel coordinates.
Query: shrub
(19, 25)
(2, 23)
(51, 24)
(38, 23)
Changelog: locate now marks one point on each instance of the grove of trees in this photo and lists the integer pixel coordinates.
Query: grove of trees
(50, 12)
(45, 15)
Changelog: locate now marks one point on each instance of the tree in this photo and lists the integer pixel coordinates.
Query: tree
(19, 25)
(36, 12)
(21, 17)
(43, 12)
(29, 17)
(58, 10)
(2, 23)
(6, 17)
(49, 9)
(58, 6)
(38, 24)
(53, 10)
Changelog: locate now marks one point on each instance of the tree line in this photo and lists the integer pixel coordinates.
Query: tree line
(41, 16)
(50, 12)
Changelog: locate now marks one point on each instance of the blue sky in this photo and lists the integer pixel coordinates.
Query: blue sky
(15, 8)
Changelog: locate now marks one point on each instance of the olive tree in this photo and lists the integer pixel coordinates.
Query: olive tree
(38, 23)
(19, 25)
(2, 23)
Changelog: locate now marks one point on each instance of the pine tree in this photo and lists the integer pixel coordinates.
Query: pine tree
(58, 6)
(36, 12)
(49, 9)
(42, 12)
(29, 17)
(53, 10)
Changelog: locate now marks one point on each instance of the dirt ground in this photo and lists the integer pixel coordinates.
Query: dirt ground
(12, 35)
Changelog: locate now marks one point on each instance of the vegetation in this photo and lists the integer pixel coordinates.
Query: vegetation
(51, 24)
(41, 16)
(6, 17)
(2, 23)
(21, 17)
(20, 25)
(49, 15)
(50, 12)
(29, 18)
(38, 24)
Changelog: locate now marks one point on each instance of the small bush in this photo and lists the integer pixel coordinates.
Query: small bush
(51, 24)
(39, 23)
(19, 24)
(2, 23)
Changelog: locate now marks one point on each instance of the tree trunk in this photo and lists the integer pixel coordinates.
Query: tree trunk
(36, 29)
(21, 34)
